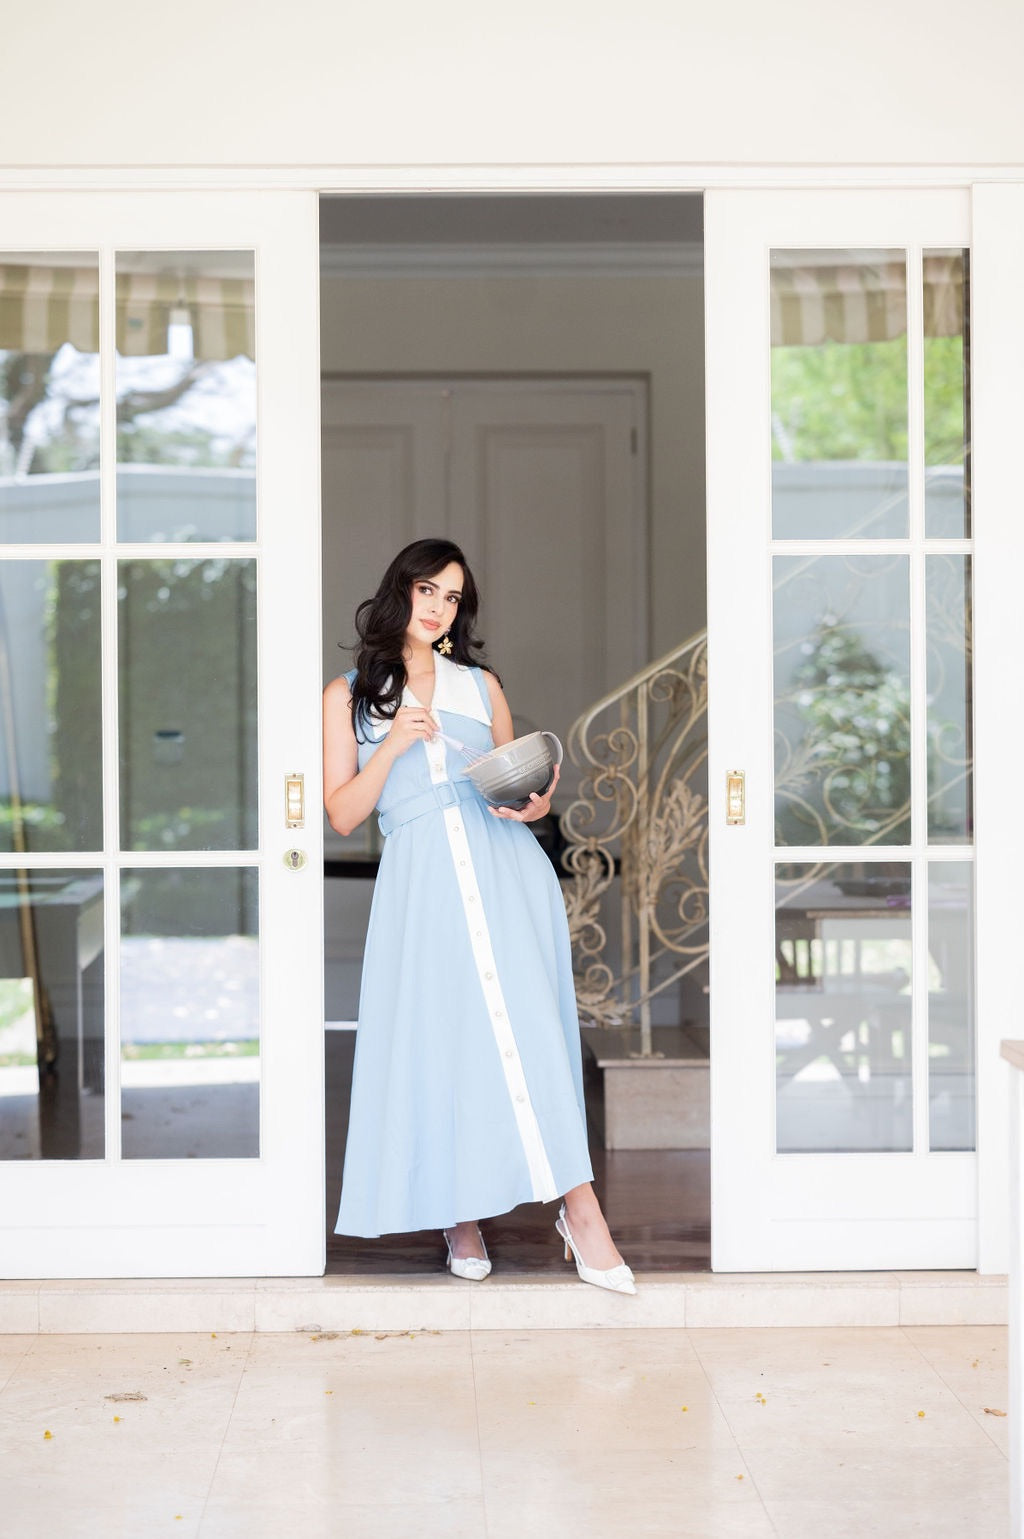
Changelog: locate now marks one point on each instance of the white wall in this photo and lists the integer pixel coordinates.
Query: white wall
(321, 82)
(650, 326)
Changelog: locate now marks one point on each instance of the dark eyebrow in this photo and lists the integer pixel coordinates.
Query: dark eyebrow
(455, 592)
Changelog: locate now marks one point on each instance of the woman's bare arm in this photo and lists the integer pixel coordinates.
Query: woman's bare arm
(351, 794)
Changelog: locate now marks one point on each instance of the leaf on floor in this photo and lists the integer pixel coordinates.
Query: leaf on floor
(47, 1437)
(991, 1411)
(920, 1413)
(330, 1335)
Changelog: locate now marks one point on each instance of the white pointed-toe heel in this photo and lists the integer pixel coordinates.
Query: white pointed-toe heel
(618, 1279)
(473, 1268)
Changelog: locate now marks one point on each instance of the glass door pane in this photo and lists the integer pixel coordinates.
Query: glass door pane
(842, 699)
(839, 394)
(872, 700)
(190, 1037)
(187, 707)
(49, 397)
(51, 782)
(843, 1046)
(52, 1077)
(186, 395)
(947, 394)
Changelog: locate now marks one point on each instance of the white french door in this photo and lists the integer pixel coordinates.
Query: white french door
(160, 922)
(840, 537)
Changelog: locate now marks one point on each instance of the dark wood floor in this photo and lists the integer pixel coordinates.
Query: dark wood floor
(658, 1203)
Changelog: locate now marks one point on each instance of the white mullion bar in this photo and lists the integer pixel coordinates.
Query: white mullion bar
(169, 860)
(918, 701)
(53, 860)
(92, 860)
(108, 713)
(835, 854)
(187, 550)
(147, 551)
(847, 547)
(65, 551)
(938, 547)
(828, 854)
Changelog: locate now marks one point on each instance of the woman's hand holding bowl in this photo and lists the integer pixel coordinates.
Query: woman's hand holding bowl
(538, 806)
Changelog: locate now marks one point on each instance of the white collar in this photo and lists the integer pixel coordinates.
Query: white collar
(455, 690)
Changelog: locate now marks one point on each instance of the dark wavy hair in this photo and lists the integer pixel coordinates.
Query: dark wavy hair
(381, 624)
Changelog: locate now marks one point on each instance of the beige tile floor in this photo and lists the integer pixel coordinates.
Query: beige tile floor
(495, 1434)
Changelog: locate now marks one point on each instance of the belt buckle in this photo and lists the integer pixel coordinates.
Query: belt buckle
(445, 795)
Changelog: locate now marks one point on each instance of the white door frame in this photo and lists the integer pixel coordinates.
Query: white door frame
(224, 1217)
(740, 714)
(997, 344)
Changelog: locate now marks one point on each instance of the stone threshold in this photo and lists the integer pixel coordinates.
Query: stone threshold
(355, 1304)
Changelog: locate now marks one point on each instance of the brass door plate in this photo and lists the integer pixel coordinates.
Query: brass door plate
(294, 801)
(735, 797)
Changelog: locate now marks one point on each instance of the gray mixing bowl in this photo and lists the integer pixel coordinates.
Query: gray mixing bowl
(506, 776)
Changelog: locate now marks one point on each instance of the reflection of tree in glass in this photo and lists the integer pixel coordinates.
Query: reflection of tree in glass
(199, 414)
(49, 412)
(945, 430)
(187, 651)
(848, 778)
(848, 401)
(840, 401)
(73, 689)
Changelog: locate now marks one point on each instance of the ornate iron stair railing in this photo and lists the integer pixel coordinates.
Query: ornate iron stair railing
(637, 836)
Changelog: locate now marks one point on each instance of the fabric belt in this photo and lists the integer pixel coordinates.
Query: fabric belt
(447, 793)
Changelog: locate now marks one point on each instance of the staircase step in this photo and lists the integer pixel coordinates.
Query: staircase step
(441, 1303)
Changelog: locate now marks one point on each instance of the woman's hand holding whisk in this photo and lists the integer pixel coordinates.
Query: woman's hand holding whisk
(412, 724)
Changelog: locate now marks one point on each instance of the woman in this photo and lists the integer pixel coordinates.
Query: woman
(467, 1097)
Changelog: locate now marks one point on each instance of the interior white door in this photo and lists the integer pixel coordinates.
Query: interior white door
(839, 550)
(547, 485)
(161, 1099)
(542, 483)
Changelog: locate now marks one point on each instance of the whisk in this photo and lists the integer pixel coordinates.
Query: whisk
(470, 755)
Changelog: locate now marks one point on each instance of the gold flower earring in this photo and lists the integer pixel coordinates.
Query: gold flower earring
(444, 646)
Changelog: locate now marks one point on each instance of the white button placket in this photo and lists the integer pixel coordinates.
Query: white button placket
(541, 1177)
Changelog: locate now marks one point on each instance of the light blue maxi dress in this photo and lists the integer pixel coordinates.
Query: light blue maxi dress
(467, 1095)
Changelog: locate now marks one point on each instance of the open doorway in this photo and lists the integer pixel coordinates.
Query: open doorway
(525, 374)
